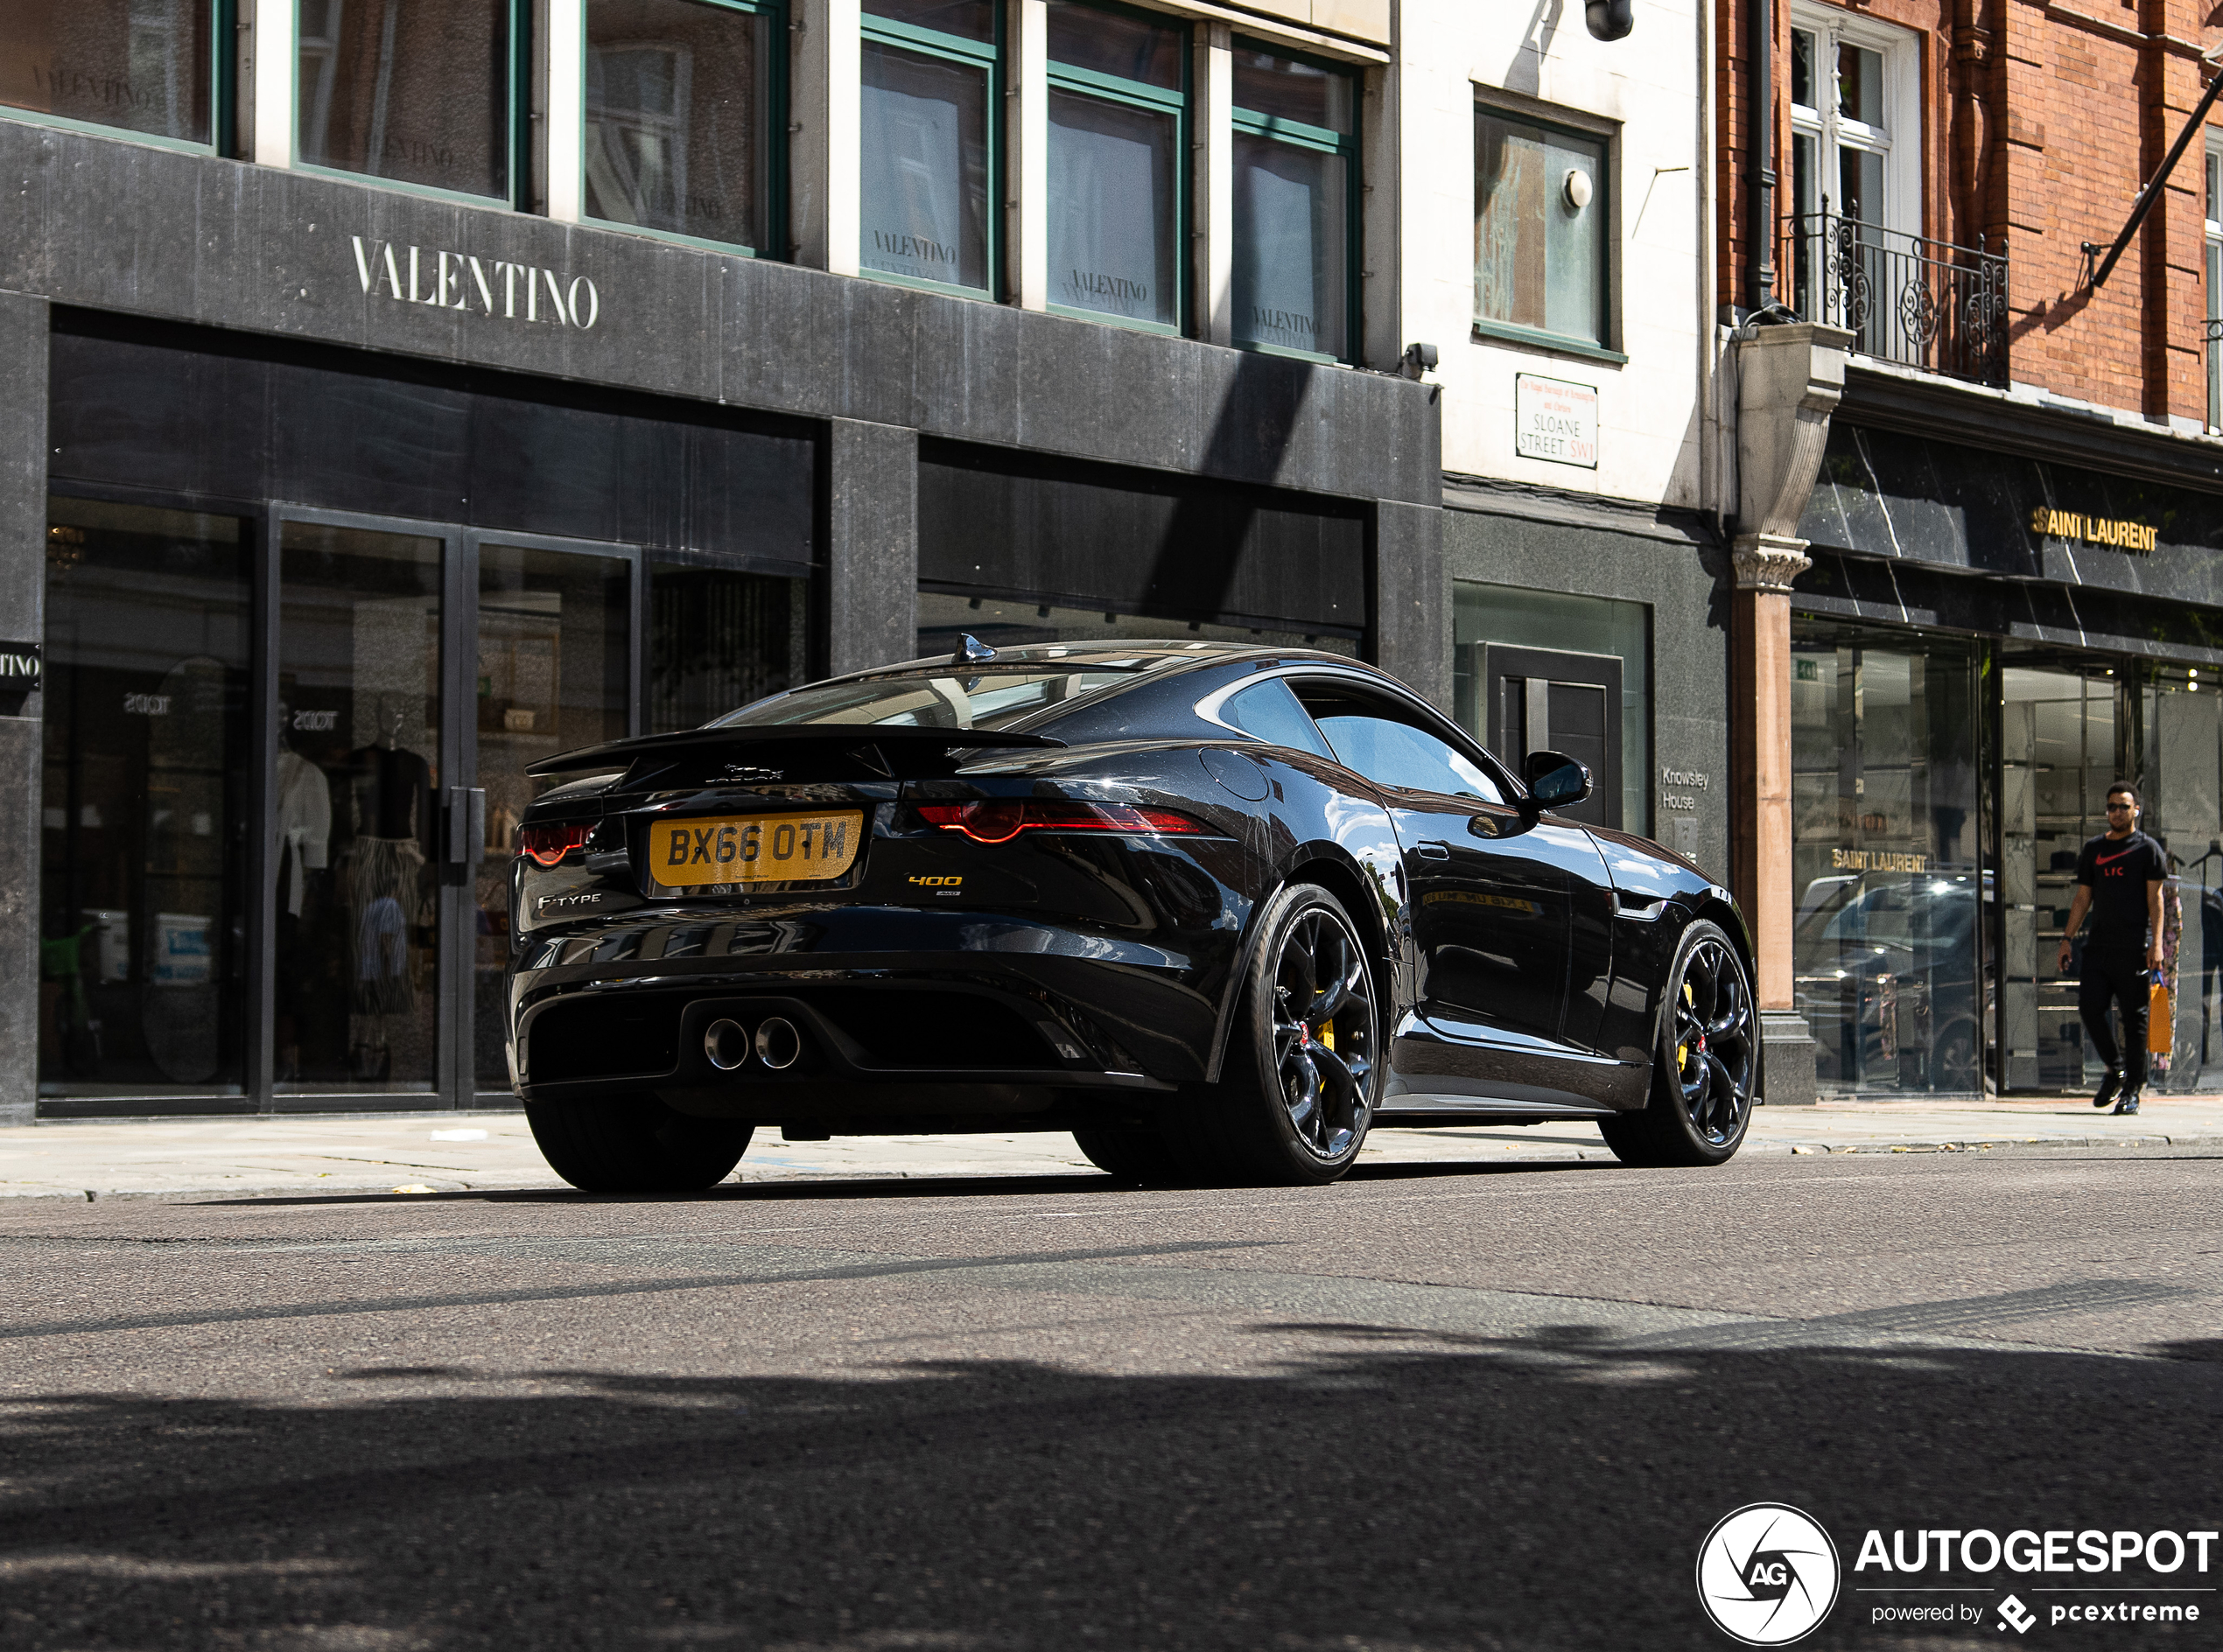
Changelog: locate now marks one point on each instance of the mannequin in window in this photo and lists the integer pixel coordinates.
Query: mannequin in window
(303, 847)
(387, 878)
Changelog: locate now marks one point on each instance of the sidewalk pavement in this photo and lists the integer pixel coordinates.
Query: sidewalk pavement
(447, 1153)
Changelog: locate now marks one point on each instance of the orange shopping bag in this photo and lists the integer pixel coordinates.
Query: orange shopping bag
(2159, 1029)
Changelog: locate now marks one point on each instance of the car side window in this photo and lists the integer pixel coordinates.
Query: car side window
(1371, 738)
(1270, 710)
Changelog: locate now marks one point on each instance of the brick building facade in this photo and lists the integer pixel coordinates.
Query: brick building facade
(1977, 511)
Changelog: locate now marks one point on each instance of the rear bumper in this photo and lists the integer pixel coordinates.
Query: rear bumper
(1006, 1017)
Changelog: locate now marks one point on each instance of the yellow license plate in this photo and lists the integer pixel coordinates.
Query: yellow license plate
(754, 849)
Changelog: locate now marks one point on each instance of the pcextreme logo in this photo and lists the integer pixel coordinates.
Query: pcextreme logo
(1767, 1574)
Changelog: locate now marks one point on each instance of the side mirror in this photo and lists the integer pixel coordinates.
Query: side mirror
(1555, 780)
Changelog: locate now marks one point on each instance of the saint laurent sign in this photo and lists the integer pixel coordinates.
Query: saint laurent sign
(2112, 532)
(18, 667)
(493, 287)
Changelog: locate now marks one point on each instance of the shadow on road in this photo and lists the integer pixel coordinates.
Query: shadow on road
(1387, 1490)
(892, 1186)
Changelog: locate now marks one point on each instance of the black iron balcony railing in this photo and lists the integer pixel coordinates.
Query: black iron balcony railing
(1906, 298)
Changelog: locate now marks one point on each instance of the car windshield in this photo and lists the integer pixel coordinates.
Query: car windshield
(993, 698)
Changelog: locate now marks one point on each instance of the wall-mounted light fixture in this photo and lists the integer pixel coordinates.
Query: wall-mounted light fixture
(1610, 19)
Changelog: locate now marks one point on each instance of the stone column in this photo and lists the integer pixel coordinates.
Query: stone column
(872, 544)
(1413, 599)
(1790, 380)
(1027, 164)
(1212, 197)
(23, 609)
(825, 158)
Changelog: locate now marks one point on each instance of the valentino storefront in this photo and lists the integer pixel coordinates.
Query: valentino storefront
(2009, 608)
(328, 507)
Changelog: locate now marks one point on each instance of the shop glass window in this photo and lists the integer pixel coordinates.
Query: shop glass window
(417, 92)
(1537, 670)
(1117, 134)
(931, 108)
(143, 850)
(134, 65)
(683, 108)
(1886, 857)
(1296, 159)
(1541, 218)
(721, 639)
(1005, 621)
(555, 673)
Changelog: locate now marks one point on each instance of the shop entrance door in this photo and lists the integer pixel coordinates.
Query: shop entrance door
(419, 669)
(1551, 700)
(2061, 742)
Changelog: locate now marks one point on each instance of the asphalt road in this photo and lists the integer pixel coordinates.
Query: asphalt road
(1434, 1407)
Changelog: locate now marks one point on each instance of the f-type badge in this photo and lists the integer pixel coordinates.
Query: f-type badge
(557, 903)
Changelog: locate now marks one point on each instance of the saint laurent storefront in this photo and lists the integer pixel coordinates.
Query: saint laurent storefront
(328, 507)
(2008, 609)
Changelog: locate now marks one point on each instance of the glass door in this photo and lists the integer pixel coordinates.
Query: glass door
(554, 671)
(2060, 746)
(420, 670)
(357, 1005)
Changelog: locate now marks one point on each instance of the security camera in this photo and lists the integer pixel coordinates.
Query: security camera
(1610, 19)
(1418, 359)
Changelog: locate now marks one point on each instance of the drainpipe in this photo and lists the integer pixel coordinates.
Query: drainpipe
(1760, 63)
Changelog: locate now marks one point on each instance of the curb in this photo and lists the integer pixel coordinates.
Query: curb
(1985, 1144)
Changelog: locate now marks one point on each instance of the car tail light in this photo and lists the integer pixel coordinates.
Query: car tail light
(998, 820)
(546, 845)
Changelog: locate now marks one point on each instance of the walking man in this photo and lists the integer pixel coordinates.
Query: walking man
(2118, 877)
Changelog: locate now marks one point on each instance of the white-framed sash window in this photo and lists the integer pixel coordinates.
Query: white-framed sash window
(1855, 135)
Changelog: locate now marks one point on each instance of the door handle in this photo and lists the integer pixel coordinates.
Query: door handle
(1432, 851)
(467, 825)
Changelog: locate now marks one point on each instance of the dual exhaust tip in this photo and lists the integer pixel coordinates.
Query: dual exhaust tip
(777, 1042)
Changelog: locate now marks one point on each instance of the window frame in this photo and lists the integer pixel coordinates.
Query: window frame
(1607, 136)
(519, 147)
(1154, 100)
(1322, 140)
(1898, 140)
(773, 134)
(224, 97)
(953, 48)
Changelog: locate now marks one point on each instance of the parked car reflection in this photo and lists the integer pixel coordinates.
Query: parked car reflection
(1886, 978)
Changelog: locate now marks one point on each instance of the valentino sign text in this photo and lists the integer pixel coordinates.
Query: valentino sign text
(492, 287)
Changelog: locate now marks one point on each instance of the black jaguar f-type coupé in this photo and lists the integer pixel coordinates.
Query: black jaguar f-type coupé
(1216, 910)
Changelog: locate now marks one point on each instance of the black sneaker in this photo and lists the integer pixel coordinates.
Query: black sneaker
(2108, 1085)
(2129, 1103)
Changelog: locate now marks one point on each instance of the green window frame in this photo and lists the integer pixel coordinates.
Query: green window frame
(223, 95)
(517, 149)
(983, 54)
(771, 135)
(1324, 140)
(1136, 95)
(1597, 345)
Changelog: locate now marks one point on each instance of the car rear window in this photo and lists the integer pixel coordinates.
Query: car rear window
(944, 699)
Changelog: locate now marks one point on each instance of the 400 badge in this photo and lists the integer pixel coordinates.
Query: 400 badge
(754, 848)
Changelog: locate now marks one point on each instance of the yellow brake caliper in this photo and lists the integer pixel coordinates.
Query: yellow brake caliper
(1328, 1035)
(1682, 1051)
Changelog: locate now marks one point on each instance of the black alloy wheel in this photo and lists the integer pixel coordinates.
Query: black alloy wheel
(1301, 1074)
(1708, 1067)
(635, 1144)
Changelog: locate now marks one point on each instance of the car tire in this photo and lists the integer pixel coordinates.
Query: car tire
(1302, 1072)
(1707, 1067)
(635, 1144)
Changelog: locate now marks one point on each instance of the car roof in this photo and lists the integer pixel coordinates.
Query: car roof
(1133, 654)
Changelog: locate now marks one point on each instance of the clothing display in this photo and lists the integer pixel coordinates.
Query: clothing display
(304, 826)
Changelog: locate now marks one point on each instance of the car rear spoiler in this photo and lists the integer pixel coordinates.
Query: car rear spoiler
(893, 752)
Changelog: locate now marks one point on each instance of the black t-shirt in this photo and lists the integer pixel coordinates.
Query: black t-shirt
(2117, 872)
